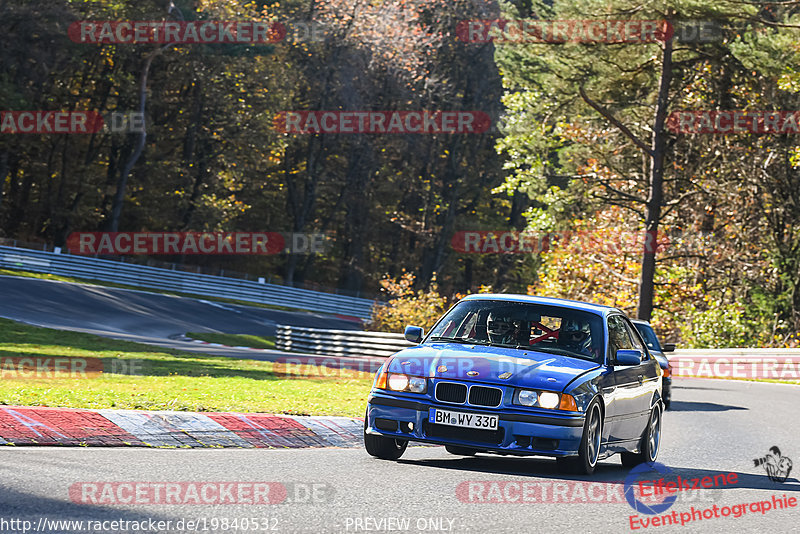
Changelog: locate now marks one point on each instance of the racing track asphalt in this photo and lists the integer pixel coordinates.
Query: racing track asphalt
(716, 426)
(145, 317)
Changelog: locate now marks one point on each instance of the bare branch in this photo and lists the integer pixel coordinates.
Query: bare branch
(623, 194)
(671, 204)
(613, 120)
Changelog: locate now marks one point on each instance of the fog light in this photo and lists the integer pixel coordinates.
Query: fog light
(410, 427)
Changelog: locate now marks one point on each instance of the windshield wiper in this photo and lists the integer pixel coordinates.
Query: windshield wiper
(562, 352)
(459, 340)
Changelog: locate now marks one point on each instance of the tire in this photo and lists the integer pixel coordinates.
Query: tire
(383, 447)
(589, 448)
(650, 444)
(460, 451)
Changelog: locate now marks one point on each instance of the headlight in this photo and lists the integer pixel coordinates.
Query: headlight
(548, 399)
(528, 397)
(401, 382)
(416, 384)
(398, 382)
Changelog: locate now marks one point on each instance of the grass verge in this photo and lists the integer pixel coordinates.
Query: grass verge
(235, 340)
(162, 379)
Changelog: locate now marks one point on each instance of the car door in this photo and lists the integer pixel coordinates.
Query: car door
(651, 369)
(632, 395)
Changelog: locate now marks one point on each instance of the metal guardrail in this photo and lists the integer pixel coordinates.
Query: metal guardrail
(339, 342)
(198, 284)
(780, 364)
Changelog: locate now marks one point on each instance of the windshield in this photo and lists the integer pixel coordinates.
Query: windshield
(521, 325)
(649, 336)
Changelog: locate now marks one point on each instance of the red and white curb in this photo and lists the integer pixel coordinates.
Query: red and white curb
(25, 425)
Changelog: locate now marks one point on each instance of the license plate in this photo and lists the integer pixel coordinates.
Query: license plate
(464, 420)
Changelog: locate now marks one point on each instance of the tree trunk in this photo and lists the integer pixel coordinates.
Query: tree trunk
(119, 196)
(655, 199)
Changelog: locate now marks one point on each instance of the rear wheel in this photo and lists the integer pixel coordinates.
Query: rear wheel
(460, 451)
(651, 441)
(589, 449)
(383, 447)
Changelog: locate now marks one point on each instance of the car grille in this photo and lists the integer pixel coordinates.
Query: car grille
(451, 392)
(492, 437)
(483, 396)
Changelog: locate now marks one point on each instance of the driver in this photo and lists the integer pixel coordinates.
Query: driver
(503, 329)
(576, 336)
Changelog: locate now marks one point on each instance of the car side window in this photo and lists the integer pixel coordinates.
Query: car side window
(618, 335)
(637, 342)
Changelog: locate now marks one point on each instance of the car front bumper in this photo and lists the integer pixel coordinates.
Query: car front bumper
(518, 432)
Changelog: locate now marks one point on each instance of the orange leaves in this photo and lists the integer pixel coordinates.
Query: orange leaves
(420, 308)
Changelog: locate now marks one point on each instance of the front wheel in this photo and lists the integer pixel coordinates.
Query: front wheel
(651, 441)
(589, 449)
(383, 447)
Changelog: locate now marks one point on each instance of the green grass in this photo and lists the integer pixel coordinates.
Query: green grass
(168, 379)
(235, 340)
(45, 276)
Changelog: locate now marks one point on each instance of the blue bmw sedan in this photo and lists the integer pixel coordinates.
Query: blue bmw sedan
(522, 375)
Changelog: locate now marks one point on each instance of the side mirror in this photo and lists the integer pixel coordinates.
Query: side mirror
(414, 334)
(628, 357)
(668, 347)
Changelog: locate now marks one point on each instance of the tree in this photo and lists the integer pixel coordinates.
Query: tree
(604, 108)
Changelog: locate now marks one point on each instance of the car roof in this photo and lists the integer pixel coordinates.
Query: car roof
(599, 309)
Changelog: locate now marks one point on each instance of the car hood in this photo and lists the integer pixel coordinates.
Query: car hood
(494, 365)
